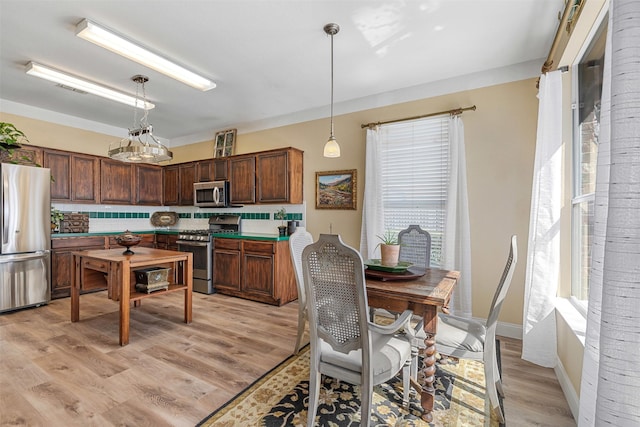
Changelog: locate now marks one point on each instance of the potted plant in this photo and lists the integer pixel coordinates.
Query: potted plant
(281, 215)
(56, 219)
(10, 139)
(389, 249)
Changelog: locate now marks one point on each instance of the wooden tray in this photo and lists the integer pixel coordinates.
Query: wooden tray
(410, 273)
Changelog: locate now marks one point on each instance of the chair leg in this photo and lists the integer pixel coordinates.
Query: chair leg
(366, 392)
(301, 324)
(314, 394)
(490, 372)
(406, 379)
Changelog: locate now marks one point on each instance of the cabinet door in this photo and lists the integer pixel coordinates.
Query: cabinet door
(85, 178)
(220, 171)
(187, 174)
(60, 165)
(226, 265)
(170, 185)
(148, 185)
(27, 155)
(116, 182)
(61, 271)
(205, 171)
(258, 268)
(279, 176)
(242, 175)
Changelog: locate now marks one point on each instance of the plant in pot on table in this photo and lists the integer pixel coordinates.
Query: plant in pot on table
(281, 215)
(56, 219)
(389, 249)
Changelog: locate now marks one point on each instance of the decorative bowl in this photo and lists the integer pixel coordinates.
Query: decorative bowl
(128, 239)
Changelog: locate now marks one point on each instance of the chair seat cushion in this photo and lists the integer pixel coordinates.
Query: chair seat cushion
(467, 335)
(389, 355)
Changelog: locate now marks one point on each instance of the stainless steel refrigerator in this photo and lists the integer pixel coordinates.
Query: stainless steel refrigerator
(25, 234)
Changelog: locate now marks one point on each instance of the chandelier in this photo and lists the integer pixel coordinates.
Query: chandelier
(140, 146)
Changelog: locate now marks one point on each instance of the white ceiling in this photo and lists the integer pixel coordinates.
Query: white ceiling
(270, 59)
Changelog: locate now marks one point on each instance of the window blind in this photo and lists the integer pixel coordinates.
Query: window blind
(415, 174)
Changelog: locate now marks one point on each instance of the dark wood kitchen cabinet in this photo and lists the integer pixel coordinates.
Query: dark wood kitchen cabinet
(242, 175)
(170, 185)
(75, 177)
(167, 241)
(148, 185)
(62, 263)
(256, 270)
(279, 176)
(187, 174)
(25, 155)
(116, 180)
(211, 170)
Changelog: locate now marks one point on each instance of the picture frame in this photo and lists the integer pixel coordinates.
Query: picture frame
(224, 143)
(336, 189)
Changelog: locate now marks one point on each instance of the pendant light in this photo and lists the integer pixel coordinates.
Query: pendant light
(331, 148)
(140, 146)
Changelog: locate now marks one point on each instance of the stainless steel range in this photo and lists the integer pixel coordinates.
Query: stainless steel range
(200, 244)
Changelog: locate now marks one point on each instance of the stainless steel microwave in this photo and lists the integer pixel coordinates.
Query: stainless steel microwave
(214, 194)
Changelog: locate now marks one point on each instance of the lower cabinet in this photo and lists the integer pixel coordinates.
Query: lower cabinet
(167, 241)
(256, 270)
(62, 262)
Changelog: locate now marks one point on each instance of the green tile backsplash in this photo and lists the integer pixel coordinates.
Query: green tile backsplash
(196, 215)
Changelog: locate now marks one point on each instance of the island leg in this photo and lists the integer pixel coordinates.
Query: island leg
(187, 273)
(75, 289)
(125, 294)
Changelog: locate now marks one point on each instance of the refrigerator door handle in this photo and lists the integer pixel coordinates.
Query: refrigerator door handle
(22, 257)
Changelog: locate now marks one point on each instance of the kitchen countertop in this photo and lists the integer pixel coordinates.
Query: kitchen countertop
(246, 236)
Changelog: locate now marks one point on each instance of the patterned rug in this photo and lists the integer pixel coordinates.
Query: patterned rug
(279, 399)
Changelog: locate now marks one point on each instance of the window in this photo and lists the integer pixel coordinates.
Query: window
(585, 152)
(415, 174)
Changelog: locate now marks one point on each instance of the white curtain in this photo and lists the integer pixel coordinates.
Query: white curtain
(610, 388)
(373, 204)
(456, 246)
(543, 253)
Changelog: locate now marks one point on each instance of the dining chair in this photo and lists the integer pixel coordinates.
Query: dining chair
(415, 246)
(299, 240)
(345, 345)
(469, 339)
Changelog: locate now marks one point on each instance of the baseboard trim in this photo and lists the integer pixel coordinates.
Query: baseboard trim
(567, 388)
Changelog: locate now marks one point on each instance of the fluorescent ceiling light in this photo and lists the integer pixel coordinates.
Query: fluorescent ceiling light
(119, 44)
(44, 72)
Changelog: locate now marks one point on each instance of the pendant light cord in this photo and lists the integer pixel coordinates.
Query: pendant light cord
(331, 85)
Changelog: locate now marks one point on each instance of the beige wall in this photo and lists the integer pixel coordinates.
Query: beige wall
(500, 140)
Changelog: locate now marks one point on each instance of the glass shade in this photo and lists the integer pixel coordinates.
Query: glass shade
(331, 148)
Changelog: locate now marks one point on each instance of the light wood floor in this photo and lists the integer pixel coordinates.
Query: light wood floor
(55, 373)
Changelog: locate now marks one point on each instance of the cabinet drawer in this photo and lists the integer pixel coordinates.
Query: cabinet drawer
(227, 244)
(94, 264)
(261, 247)
(77, 242)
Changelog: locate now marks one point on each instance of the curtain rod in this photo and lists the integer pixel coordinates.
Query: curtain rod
(453, 112)
(568, 8)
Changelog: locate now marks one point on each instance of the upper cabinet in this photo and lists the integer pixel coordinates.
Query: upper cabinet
(171, 185)
(26, 155)
(75, 177)
(242, 176)
(211, 170)
(279, 176)
(148, 184)
(187, 174)
(116, 182)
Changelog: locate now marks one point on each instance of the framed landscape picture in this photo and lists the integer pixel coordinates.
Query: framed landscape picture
(336, 189)
(224, 143)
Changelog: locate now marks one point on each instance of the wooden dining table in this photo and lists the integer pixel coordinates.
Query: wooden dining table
(423, 294)
(117, 270)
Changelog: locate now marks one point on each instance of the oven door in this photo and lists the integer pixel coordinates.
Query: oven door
(202, 258)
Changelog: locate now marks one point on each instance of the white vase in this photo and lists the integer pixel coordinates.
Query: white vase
(389, 255)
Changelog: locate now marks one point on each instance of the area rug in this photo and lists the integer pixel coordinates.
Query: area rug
(280, 397)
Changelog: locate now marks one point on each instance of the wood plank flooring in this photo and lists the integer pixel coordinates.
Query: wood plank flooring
(55, 373)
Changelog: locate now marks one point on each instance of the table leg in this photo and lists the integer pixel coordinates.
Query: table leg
(187, 272)
(75, 290)
(428, 371)
(125, 294)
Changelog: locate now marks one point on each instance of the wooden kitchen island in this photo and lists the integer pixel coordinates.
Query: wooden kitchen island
(95, 266)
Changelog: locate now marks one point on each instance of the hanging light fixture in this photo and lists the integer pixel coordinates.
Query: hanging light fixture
(140, 146)
(331, 148)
